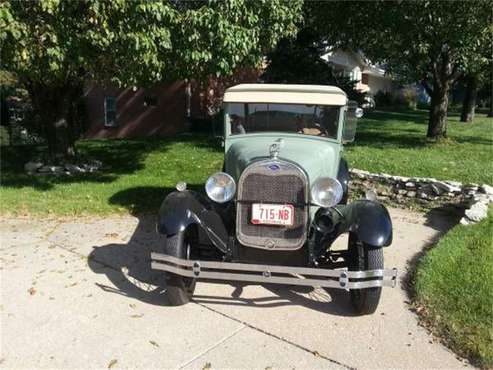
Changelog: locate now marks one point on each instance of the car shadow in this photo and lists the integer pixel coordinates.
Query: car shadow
(127, 266)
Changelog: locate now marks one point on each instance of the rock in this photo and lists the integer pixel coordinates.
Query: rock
(97, 163)
(411, 194)
(477, 212)
(454, 183)
(47, 169)
(401, 191)
(73, 168)
(410, 184)
(385, 175)
(486, 189)
(383, 192)
(446, 187)
(423, 195)
(31, 167)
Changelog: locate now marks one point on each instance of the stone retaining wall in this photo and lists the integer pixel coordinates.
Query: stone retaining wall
(473, 197)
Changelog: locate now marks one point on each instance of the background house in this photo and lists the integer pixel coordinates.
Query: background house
(162, 110)
(370, 78)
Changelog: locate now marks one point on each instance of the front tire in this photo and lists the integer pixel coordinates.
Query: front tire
(179, 288)
(364, 257)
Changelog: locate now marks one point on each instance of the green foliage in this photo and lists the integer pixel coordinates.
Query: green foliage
(428, 41)
(406, 98)
(411, 37)
(55, 46)
(453, 283)
(298, 61)
(139, 42)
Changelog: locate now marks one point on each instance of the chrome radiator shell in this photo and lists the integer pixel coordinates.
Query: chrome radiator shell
(272, 181)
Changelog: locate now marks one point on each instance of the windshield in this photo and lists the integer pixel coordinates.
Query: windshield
(316, 120)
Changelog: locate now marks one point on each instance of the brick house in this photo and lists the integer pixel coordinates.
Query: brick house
(162, 110)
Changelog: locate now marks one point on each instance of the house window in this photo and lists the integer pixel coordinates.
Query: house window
(355, 74)
(110, 111)
(150, 101)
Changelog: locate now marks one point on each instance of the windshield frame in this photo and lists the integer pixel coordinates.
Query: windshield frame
(229, 134)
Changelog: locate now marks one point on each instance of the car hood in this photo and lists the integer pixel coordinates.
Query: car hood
(316, 156)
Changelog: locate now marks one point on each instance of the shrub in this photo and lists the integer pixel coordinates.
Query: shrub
(384, 99)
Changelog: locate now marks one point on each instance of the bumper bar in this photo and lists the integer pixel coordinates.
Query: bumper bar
(288, 275)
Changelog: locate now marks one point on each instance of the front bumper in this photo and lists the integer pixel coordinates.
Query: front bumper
(287, 275)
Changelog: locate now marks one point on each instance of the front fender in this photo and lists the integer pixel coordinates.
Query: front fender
(181, 209)
(369, 220)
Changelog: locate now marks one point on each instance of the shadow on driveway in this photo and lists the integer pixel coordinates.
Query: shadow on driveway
(128, 267)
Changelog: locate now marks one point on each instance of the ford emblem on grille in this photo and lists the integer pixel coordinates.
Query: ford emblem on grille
(274, 167)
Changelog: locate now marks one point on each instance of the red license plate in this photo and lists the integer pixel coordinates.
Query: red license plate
(272, 214)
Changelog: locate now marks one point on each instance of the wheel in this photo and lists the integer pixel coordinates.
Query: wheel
(179, 288)
(364, 257)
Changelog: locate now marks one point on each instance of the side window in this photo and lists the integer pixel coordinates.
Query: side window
(110, 111)
(236, 117)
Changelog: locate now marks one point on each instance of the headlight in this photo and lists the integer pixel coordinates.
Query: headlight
(326, 192)
(220, 187)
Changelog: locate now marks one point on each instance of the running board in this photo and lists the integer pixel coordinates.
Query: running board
(287, 275)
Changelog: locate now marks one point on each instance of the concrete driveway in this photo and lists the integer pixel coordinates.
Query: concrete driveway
(79, 294)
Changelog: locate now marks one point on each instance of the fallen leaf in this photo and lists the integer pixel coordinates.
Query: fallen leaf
(112, 363)
(111, 235)
(137, 316)
(32, 291)
(316, 354)
(207, 366)
(154, 343)
(132, 305)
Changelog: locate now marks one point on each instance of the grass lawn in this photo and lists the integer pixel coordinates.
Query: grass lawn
(395, 143)
(454, 283)
(140, 172)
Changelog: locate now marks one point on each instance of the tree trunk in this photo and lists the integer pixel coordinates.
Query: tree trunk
(469, 103)
(490, 112)
(54, 104)
(437, 124)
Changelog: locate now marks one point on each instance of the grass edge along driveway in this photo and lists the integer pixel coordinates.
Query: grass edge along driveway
(453, 284)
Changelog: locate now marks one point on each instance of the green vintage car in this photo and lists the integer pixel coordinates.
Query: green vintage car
(273, 213)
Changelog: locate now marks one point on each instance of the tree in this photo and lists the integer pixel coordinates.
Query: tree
(479, 75)
(55, 46)
(428, 41)
(298, 60)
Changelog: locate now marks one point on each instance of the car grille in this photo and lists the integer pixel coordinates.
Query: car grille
(275, 182)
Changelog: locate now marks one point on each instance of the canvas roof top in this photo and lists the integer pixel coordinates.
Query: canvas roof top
(285, 94)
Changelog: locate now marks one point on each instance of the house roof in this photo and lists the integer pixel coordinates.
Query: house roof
(350, 59)
(285, 93)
